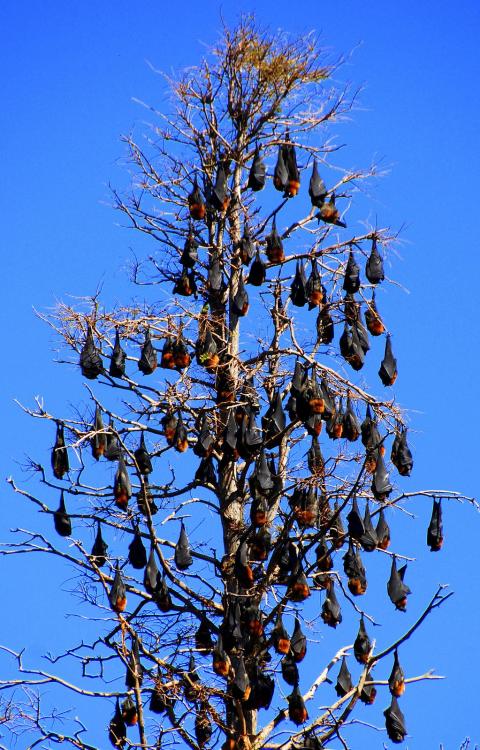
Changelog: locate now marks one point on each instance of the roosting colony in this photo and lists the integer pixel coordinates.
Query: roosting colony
(261, 311)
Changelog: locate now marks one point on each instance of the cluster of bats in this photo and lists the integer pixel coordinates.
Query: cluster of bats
(240, 645)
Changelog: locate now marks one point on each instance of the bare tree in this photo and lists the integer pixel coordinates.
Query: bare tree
(210, 577)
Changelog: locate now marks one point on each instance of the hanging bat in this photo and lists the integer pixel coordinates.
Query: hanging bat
(205, 473)
(113, 451)
(356, 529)
(137, 554)
(129, 712)
(161, 595)
(145, 501)
(247, 247)
(359, 331)
(355, 571)
(316, 188)
(374, 268)
(372, 318)
(368, 692)
(298, 589)
(298, 642)
(122, 489)
(262, 689)
(388, 367)
(280, 637)
(293, 181)
(314, 289)
(183, 558)
(325, 327)
(258, 271)
(395, 722)
(261, 482)
(180, 438)
(330, 214)
(362, 645)
(337, 530)
(91, 363)
(351, 279)
(396, 681)
(203, 637)
(289, 670)
(61, 519)
(369, 539)
(191, 678)
(117, 731)
(148, 356)
(99, 549)
(242, 569)
(331, 613)
(221, 660)
(323, 557)
(256, 176)
(297, 711)
(298, 291)
(274, 250)
(435, 527)
(159, 702)
(344, 680)
(315, 462)
(142, 457)
(401, 455)
(351, 425)
(207, 352)
(218, 197)
(240, 303)
(274, 422)
(240, 684)
(99, 439)
(260, 544)
(351, 348)
(134, 674)
(381, 486)
(351, 308)
(382, 531)
(189, 255)
(185, 284)
(169, 424)
(204, 445)
(280, 174)
(117, 359)
(118, 593)
(397, 590)
(196, 204)
(151, 575)
(203, 727)
(60, 462)
(167, 358)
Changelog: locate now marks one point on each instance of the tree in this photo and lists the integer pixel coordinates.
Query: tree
(201, 639)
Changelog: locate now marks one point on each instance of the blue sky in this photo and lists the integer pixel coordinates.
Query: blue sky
(69, 74)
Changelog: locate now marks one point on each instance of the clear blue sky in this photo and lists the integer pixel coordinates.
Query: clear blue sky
(69, 72)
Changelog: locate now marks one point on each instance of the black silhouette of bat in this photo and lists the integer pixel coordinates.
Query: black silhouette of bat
(274, 250)
(331, 613)
(91, 363)
(388, 367)
(142, 457)
(99, 549)
(256, 176)
(395, 722)
(118, 593)
(148, 356)
(344, 680)
(374, 267)
(196, 204)
(351, 279)
(397, 590)
(122, 488)
(297, 711)
(396, 681)
(316, 187)
(61, 519)
(60, 462)
(117, 359)
(183, 558)
(362, 645)
(117, 731)
(134, 673)
(435, 528)
(298, 291)
(137, 554)
(258, 271)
